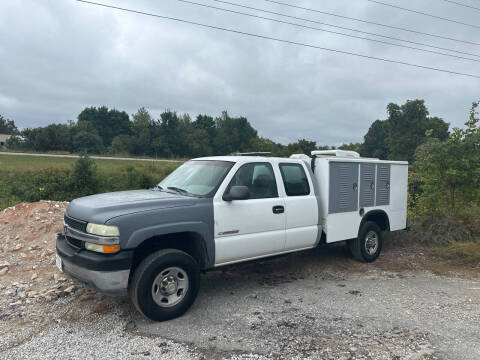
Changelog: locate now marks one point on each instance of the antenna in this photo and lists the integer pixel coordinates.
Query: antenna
(253, 153)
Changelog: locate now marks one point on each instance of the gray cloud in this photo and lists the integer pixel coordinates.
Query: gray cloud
(59, 56)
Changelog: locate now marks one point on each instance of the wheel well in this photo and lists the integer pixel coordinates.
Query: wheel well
(379, 217)
(189, 242)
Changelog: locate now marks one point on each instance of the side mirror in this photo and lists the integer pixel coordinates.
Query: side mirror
(237, 193)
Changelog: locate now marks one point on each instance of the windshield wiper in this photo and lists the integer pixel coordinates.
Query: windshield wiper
(158, 187)
(181, 191)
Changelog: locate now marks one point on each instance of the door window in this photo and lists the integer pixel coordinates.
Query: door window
(259, 178)
(294, 179)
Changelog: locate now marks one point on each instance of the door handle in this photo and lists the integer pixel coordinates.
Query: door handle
(278, 209)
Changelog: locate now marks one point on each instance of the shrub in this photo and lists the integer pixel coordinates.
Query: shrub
(138, 179)
(84, 180)
(447, 173)
(45, 184)
(87, 142)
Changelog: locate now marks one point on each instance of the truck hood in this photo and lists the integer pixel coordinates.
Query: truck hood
(103, 207)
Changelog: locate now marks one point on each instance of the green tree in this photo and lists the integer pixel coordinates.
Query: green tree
(352, 147)
(206, 123)
(205, 126)
(54, 137)
(262, 144)
(408, 126)
(199, 143)
(123, 144)
(375, 140)
(108, 123)
(7, 126)
(233, 135)
(170, 134)
(87, 142)
(159, 146)
(141, 140)
(302, 146)
(15, 142)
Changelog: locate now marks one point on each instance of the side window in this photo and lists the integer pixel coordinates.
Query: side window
(294, 179)
(259, 178)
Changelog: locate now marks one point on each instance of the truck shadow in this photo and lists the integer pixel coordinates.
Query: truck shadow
(329, 262)
(238, 289)
(250, 278)
(229, 296)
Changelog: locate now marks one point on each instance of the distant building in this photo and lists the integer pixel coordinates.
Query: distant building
(3, 139)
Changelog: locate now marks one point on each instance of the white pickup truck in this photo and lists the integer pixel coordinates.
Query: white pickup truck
(214, 211)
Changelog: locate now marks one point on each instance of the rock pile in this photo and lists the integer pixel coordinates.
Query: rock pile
(27, 255)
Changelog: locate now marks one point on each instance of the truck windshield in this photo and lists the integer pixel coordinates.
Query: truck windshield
(197, 177)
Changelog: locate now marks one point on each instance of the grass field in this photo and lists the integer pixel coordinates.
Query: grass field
(31, 178)
(21, 164)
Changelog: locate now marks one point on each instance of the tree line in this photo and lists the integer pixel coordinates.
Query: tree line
(110, 131)
(100, 130)
(444, 162)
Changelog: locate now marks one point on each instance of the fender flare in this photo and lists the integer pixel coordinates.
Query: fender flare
(375, 214)
(196, 227)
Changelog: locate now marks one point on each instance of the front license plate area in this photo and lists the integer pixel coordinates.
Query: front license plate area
(58, 262)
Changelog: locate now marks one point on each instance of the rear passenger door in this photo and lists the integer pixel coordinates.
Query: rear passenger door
(254, 227)
(301, 207)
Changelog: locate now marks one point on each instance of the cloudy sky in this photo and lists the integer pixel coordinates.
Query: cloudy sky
(59, 56)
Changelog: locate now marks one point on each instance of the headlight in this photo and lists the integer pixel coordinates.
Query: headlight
(106, 249)
(102, 230)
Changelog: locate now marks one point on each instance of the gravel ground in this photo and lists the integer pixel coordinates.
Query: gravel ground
(318, 304)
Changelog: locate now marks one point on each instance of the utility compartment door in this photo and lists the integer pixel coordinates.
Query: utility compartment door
(367, 185)
(383, 185)
(343, 194)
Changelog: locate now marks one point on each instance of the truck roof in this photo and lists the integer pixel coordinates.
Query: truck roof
(238, 158)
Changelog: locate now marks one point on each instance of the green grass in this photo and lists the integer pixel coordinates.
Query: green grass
(466, 252)
(8, 201)
(21, 164)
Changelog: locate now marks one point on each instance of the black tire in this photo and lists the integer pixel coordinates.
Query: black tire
(141, 285)
(359, 248)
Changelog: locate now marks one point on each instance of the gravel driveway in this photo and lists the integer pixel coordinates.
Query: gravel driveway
(317, 304)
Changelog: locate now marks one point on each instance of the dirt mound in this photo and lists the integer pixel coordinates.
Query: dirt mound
(34, 294)
(27, 254)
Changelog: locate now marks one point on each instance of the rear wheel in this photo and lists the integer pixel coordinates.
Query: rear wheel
(368, 245)
(165, 284)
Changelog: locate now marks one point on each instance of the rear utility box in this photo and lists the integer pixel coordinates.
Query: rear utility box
(352, 187)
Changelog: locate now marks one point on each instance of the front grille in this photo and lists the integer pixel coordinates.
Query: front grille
(75, 224)
(75, 242)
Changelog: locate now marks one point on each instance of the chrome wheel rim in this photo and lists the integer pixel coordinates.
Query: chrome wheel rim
(170, 286)
(371, 242)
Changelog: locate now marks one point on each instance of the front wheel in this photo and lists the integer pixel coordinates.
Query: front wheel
(165, 284)
(368, 245)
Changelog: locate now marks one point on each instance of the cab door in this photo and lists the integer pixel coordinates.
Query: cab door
(254, 227)
(301, 207)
